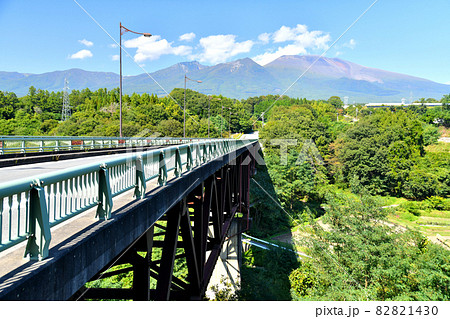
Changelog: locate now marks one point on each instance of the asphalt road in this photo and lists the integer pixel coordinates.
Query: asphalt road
(8, 174)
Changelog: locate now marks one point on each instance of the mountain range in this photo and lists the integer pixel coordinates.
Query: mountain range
(291, 75)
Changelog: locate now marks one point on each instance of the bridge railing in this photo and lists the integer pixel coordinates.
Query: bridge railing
(30, 207)
(28, 144)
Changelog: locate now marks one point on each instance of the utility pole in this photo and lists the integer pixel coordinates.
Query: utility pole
(66, 105)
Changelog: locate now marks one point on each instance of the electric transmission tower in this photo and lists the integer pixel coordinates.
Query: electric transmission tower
(66, 106)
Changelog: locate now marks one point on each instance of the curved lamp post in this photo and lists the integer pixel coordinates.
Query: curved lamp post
(184, 107)
(122, 31)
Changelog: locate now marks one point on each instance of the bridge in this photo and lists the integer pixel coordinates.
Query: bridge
(160, 201)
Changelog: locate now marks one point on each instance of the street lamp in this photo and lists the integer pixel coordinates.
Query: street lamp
(122, 31)
(184, 108)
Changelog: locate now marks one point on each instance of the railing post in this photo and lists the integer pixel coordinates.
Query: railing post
(210, 151)
(105, 202)
(189, 158)
(178, 165)
(39, 226)
(162, 178)
(22, 146)
(197, 155)
(140, 187)
(41, 145)
(205, 153)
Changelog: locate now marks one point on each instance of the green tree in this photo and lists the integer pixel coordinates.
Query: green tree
(336, 101)
(380, 150)
(170, 127)
(358, 255)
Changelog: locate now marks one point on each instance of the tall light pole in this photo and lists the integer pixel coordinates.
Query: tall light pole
(184, 107)
(122, 31)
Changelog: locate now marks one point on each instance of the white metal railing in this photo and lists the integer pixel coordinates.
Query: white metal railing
(27, 144)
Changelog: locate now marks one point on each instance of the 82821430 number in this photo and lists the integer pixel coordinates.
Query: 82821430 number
(406, 310)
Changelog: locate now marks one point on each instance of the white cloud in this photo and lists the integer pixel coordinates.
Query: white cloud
(187, 37)
(152, 48)
(301, 40)
(86, 42)
(350, 44)
(268, 57)
(82, 54)
(115, 57)
(219, 48)
(289, 34)
(264, 37)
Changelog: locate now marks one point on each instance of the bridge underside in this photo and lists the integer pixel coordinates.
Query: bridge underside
(187, 220)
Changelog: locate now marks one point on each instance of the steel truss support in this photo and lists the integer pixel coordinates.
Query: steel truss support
(193, 230)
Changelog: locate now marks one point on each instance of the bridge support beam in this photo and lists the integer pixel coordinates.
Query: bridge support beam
(194, 231)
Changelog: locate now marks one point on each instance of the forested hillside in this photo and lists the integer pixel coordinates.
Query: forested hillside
(97, 114)
(333, 173)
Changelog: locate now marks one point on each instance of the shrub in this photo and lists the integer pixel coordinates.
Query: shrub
(439, 203)
(302, 280)
(412, 207)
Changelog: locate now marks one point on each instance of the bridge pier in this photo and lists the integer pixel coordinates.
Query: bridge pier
(227, 272)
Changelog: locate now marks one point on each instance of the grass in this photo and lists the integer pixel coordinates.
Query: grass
(389, 200)
(444, 132)
(433, 224)
(439, 147)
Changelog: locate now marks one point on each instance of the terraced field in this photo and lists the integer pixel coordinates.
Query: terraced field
(434, 224)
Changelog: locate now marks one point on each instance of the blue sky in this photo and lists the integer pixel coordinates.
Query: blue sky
(410, 37)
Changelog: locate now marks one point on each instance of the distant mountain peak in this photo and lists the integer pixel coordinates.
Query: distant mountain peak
(242, 63)
(244, 78)
(190, 66)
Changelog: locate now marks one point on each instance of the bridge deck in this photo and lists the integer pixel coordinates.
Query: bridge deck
(11, 173)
